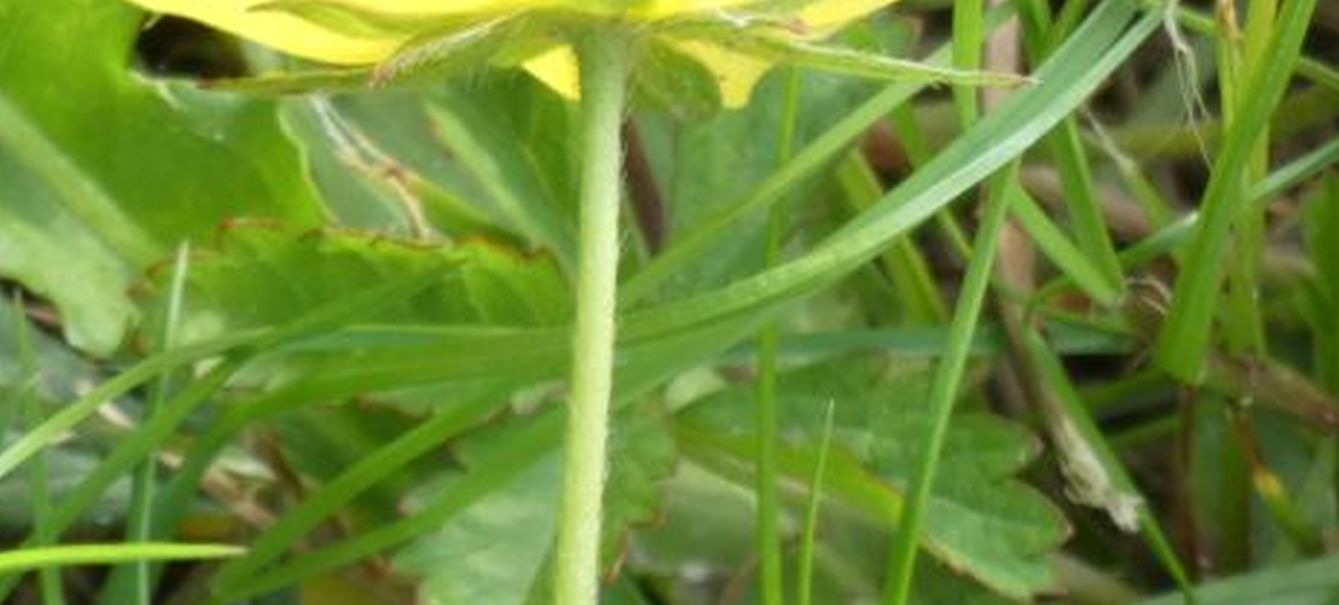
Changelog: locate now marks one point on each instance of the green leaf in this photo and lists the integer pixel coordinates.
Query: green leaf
(1322, 238)
(509, 532)
(365, 187)
(493, 551)
(642, 454)
(497, 460)
(1101, 45)
(515, 141)
(1185, 338)
(263, 274)
(1314, 582)
(123, 169)
(725, 156)
(980, 521)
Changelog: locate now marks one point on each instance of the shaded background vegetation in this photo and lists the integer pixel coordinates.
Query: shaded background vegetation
(389, 270)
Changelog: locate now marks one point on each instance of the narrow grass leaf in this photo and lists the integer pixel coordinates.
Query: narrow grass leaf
(808, 161)
(1064, 254)
(771, 577)
(944, 389)
(804, 577)
(1173, 235)
(140, 515)
(524, 448)
(1100, 46)
(39, 480)
(1108, 484)
(908, 271)
(132, 449)
(109, 554)
(55, 427)
(1185, 337)
(333, 495)
(1071, 162)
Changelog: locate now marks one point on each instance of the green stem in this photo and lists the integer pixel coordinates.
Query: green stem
(139, 524)
(944, 388)
(804, 582)
(770, 576)
(604, 74)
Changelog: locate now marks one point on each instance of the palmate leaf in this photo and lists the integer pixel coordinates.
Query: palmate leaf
(981, 522)
(492, 552)
(380, 360)
(496, 551)
(121, 168)
(261, 274)
(492, 156)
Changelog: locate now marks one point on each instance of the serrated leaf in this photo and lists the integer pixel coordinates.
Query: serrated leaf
(264, 274)
(714, 160)
(376, 155)
(707, 538)
(121, 168)
(515, 144)
(491, 553)
(981, 523)
(642, 454)
(495, 551)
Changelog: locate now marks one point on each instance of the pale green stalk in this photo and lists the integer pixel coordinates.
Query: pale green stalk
(804, 587)
(604, 72)
(50, 557)
(770, 576)
(140, 516)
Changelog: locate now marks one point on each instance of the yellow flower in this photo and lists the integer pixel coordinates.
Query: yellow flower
(737, 41)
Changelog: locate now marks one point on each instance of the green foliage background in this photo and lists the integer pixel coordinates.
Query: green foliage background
(364, 382)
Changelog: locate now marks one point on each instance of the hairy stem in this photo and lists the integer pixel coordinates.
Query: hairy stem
(603, 89)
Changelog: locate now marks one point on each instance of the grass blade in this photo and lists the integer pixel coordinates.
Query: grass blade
(917, 293)
(804, 581)
(39, 482)
(333, 495)
(140, 514)
(807, 162)
(1064, 254)
(945, 385)
(771, 574)
(526, 449)
(1115, 490)
(54, 427)
(1185, 337)
(1076, 178)
(1078, 68)
(133, 449)
(108, 554)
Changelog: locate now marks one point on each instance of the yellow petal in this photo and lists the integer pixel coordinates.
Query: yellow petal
(736, 73)
(829, 15)
(653, 10)
(558, 69)
(437, 8)
(281, 31)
